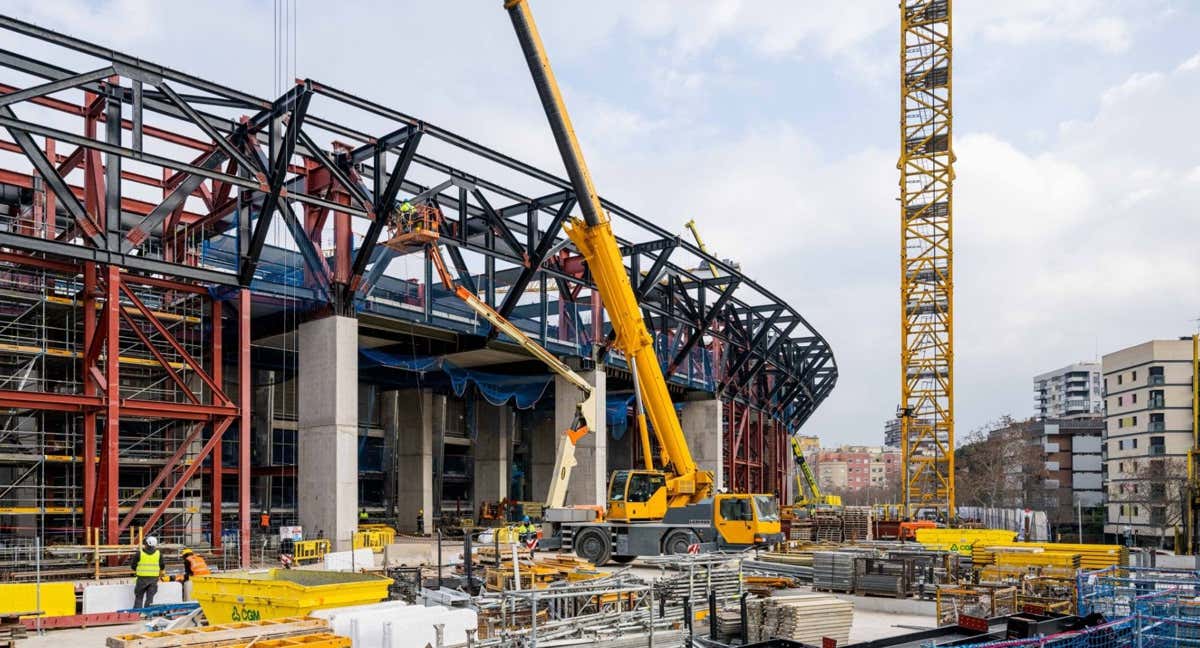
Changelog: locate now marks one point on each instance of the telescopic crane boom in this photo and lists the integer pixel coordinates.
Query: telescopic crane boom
(593, 236)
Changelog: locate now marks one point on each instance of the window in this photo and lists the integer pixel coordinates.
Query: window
(1158, 490)
(1134, 441)
(1121, 467)
(1157, 424)
(1133, 399)
(1120, 422)
(1133, 421)
(1120, 379)
(767, 507)
(1134, 376)
(1136, 512)
(1156, 376)
(1158, 515)
(642, 486)
(1121, 444)
(1120, 400)
(736, 509)
(1156, 399)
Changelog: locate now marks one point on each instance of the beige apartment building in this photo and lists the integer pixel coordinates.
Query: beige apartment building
(1147, 434)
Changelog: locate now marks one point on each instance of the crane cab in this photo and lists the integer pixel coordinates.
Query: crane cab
(744, 520)
(635, 495)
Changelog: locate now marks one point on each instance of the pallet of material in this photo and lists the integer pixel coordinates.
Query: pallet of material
(222, 635)
(564, 563)
(1091, 556)
(806, 618)
(490, 555)
(856, 523)
(833, 571)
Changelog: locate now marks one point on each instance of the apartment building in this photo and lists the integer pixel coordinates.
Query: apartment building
(855, 468)
(1147, 434)
(1073, 391)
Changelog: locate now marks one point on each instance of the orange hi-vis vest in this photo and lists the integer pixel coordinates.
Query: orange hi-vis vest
(199, 567)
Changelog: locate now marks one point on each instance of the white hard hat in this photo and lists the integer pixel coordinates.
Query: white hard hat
(151, 541)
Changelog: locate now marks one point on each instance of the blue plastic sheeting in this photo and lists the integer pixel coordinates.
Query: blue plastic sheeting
(616, 414)
(497, 389)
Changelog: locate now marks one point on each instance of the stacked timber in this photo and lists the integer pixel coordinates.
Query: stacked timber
(833, 571)
(1091, 556)
(806, 618)
(1038, 559)
(490, 555)
(856, 523)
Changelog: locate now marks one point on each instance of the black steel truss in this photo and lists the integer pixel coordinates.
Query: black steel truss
(771, 357)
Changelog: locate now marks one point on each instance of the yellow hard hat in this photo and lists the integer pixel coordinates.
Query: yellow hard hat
(186, 552)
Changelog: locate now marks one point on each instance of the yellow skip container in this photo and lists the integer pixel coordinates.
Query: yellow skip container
(230, 597)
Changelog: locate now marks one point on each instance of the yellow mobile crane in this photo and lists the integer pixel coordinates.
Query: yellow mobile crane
(650, 511)
(804, 475)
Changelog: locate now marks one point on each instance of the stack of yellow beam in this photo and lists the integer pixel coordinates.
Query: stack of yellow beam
(1091, 556)
(963, 540)
(1037, 559)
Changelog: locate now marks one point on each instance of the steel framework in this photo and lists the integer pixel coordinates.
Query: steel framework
(177, 183)
(926, 270)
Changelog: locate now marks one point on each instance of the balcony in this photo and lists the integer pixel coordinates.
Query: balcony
(1157, 380)
(1156, 426)
(1155, 403)
(1158, 450)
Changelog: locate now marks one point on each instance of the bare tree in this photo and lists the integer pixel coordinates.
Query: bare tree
(1001, 465)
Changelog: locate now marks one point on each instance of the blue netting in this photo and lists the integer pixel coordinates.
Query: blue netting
(616, 414)
(523, 391)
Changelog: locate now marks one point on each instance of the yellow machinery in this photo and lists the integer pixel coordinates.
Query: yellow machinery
(669, 509)
(804, 475)
(926, 270)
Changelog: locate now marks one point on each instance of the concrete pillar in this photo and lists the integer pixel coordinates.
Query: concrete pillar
(327, 412)
(264, 422)
(589, 480)
(493, 451)
(408, 419)
(703, 427)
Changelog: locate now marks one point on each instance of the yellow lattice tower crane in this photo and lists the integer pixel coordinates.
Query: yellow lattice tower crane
(926, 271)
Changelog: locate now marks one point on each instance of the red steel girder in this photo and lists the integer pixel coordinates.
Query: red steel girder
(189, 472)
(163, 473)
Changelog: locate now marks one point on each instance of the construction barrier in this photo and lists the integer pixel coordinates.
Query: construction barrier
(374, 539)
(57, 599)
(310, 550)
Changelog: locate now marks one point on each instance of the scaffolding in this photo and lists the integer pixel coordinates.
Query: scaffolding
(42, 450)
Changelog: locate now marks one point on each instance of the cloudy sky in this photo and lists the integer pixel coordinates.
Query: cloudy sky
(775, 126)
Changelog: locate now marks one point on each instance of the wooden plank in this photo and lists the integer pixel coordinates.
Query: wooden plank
(231, 632)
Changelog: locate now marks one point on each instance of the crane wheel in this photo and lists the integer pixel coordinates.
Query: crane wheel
(678, 541)
(591, 544)
(623, 560)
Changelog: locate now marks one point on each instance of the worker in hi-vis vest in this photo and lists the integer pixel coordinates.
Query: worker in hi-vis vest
(147, 567)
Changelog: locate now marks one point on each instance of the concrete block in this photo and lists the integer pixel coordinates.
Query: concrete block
(409, 554)
(110, 598)
(703, 427)
(349, 560)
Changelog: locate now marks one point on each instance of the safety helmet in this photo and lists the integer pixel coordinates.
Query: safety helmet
(525, 519)
(151, 541)
(186, 552)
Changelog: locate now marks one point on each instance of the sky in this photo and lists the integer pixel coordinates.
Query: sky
(775, 125)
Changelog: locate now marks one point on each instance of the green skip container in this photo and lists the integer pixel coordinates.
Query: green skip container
(231, 597)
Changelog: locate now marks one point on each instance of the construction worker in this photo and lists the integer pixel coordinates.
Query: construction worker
(363, 516)
(148, 568)
(421, 521)
(264, 521)
(193, 565)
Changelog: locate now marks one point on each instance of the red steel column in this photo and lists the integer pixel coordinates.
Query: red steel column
(244, 425)
(112, 416)
(89, 389)
(216, 371)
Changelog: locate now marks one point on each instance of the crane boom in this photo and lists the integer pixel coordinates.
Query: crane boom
(593, 237)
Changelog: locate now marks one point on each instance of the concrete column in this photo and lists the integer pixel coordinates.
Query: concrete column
(327, 410)
(589, 480)
(407, 418)
(264, 421)
(493, 451)
(703, 427)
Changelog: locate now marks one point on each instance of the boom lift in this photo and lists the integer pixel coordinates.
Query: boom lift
(804, 475)
(420, 226)
(650, 511)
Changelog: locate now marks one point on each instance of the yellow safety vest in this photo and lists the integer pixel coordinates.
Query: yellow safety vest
(149, 564)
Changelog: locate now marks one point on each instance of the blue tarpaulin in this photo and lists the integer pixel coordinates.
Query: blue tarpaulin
(497, 389)
(616, 414)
